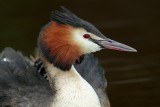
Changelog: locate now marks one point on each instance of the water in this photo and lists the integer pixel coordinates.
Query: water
(133, 78)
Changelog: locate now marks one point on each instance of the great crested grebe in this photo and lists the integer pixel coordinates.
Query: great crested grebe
(62, 42)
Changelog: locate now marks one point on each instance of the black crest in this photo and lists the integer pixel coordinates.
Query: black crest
(67, 17)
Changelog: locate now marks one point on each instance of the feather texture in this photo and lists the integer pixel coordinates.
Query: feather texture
(20, 83)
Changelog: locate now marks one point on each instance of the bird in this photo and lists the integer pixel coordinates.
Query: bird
(74, 77)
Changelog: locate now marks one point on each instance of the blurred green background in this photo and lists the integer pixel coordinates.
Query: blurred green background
(133, 78)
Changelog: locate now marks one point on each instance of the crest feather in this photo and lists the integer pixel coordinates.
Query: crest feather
(68, 18)
(65, 17)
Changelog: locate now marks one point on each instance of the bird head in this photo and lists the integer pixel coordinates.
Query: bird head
(67, 37)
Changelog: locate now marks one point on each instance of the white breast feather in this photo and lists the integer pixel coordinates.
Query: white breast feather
(72, 90)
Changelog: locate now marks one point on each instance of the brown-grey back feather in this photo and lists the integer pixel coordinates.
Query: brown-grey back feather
(20, 83)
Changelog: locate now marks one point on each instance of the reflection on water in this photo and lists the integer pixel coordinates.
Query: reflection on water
(133, 78)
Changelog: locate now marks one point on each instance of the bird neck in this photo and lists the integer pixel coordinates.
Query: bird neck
(71, 90)
(56, 74)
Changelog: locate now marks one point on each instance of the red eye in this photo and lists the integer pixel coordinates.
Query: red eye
(86, 36)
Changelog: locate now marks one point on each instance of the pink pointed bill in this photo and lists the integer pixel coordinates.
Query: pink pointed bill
(111, 44)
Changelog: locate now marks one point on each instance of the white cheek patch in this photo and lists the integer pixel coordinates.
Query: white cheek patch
(85, 45)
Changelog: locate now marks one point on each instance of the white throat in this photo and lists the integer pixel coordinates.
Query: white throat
(71, 89)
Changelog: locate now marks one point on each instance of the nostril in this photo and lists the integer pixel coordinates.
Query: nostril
(110, 41)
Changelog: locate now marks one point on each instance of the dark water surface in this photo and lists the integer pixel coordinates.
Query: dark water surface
(133, 78)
